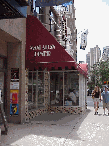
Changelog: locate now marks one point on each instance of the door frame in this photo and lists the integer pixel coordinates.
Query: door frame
(4, 70)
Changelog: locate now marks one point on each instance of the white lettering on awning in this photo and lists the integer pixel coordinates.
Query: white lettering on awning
(44, 47)
(41, 52)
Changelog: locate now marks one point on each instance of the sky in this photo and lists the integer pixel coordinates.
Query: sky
(94, 16)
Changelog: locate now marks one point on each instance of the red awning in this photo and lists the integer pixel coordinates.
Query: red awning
(42, 49)
(84, 67)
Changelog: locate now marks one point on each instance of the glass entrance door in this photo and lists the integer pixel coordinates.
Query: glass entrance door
(2, 85)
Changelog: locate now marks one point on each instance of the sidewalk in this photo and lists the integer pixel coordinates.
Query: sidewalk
(61, 130)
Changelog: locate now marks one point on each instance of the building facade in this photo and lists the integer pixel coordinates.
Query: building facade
(52, 77)
(88, 60)
(105, 54)
(12, 56)
(60, 22)
(69, 39)
(35, 69)
(95, 54)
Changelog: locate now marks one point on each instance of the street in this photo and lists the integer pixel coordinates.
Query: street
(61, 130)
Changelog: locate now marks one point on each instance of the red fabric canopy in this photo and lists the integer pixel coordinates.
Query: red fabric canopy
(37, 34)
(42, 49)
(84, 67)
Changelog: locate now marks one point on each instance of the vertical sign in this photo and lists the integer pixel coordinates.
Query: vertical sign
(84, 40)
(14, 91)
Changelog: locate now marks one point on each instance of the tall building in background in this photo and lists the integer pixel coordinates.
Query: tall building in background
(88, 60)
(94, 55)
(97, 54)
(105, 54)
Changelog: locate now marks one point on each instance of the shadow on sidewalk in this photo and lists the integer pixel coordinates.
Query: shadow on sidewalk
(73, 133)
(56, 125)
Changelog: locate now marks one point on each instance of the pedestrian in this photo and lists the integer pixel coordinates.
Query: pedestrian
(93, 95)
(101, 90)
(89, 92)
(97, 97)
(105, 96)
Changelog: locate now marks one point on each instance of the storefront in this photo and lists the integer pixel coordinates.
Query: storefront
(60, 85)
(54, 81)
(37, 75)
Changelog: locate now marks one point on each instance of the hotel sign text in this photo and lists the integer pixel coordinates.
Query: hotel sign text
(42, 50)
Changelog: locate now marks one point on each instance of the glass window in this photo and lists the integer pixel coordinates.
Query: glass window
(40, 88)
(35, 83)
(31, 90)
(67, 89)
(71, 88)
(56, 88)
(29, 93)
(2, 86)
(34, 78)
(37, 10)
(34, 86)
(1, 62)
(30, 78)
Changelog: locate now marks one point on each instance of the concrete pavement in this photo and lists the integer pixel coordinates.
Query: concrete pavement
(61, 130)
(51, 130)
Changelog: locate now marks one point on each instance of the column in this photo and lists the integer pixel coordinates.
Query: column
(26, 96)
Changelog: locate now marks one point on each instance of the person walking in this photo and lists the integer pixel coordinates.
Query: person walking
(93, 94)
(105, 96)
(97, 97)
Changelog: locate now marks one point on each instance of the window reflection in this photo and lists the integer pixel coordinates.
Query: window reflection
(71, 88)
(35, 83)
(29, 93)
(30, 78)
(40, 88)
(72, 99)
(34, 87)
(1, 62)
(56, 88)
